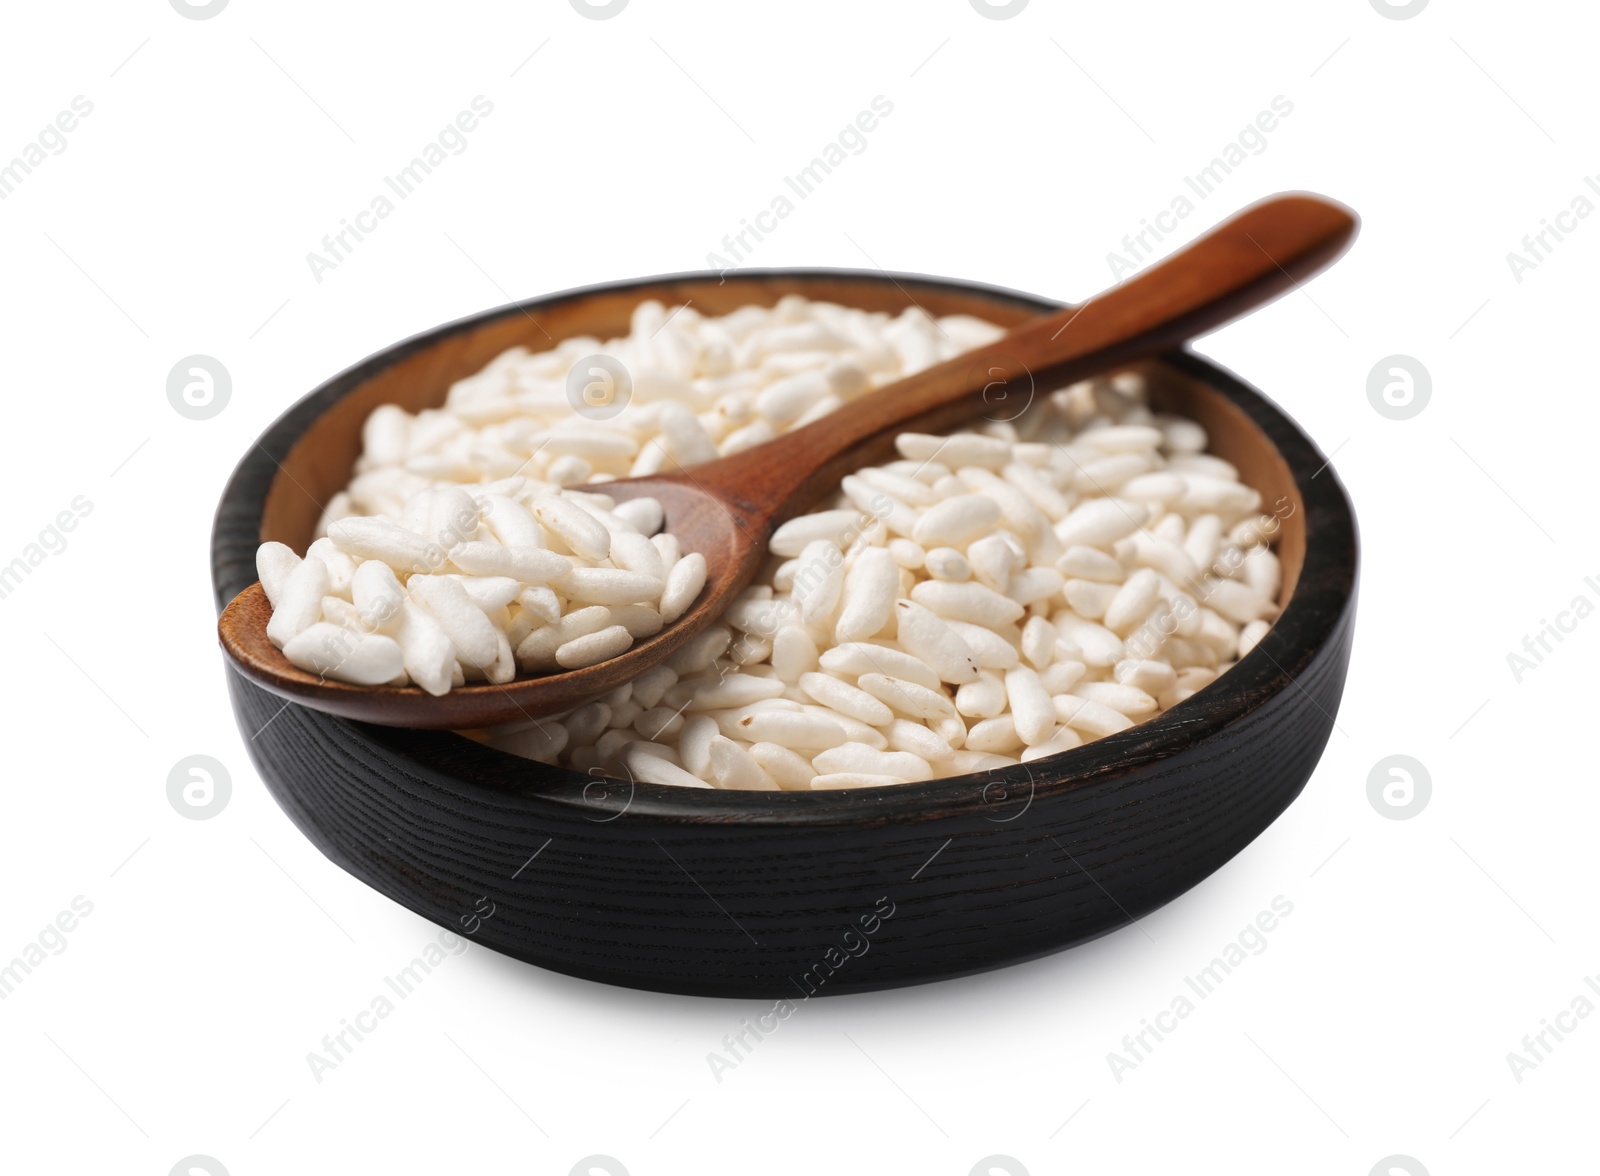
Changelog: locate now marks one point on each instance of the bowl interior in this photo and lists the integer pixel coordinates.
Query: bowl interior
(418, 374)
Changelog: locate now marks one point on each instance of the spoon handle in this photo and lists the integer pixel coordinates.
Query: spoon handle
(1240, 264)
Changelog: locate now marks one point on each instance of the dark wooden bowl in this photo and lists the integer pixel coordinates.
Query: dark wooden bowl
(783, 894)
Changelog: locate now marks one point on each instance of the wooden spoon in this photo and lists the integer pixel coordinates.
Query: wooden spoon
(727, 509)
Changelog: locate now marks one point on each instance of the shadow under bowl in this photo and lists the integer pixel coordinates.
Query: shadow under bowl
(760, 894)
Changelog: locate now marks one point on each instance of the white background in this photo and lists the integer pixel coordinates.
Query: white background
(177, 221)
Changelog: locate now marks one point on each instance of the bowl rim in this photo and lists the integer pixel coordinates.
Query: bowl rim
(1307, 621)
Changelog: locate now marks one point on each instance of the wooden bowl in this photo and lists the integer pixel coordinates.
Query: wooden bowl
(796, 893)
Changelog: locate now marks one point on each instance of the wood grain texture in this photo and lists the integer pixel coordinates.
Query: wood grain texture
(764, 894)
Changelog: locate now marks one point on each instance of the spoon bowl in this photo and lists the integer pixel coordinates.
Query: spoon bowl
(701, 521)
